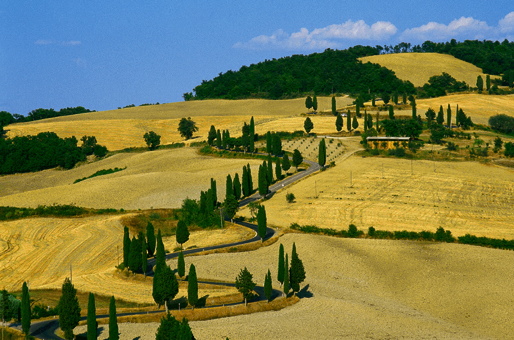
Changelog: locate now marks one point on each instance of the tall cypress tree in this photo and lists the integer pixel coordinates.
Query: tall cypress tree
(261, 222)
(113, 320)
(339, 122)
(219, 141)
(69, 309)
(269, 143)
(322, 153)
(214, 191)
(182, 233)
(212, 135)
(391, 112)
(308, 102)
(126, 246)
(297, 271)
(246, 190)
(25, 309)
(314, 102)
(449, 116)
(263, 181)
(169, 286)
(245, 284)
(349, 121)
(269, 168)
(135, 260)
(250, 180)
(278, 169)
(334, 109)
(144, 254)
(286, 286)
(297, 158)
(440, 115)
(181, 265)
(91, 318)
(229, 188)
(160, 254)
(286, 165)
(281, 265)
(150, 239)
(268, 288)
(413, 105)
(488, 82)
(355, 122)
(237, 187)
(192, 287)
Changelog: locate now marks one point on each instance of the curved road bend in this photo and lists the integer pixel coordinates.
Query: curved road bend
(46, 329)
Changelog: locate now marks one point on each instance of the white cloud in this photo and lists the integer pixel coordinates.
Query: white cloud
(55, 42)
(466, 28)
(321, 38)
(506, 25)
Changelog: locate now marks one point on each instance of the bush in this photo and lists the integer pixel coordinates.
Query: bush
(509, 149)
(290, 197)
(502, 123)
(452, 146)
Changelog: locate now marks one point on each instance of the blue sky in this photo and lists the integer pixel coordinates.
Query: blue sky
(106, 54)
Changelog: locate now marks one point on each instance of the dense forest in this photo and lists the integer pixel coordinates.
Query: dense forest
(7, 118)
(339, 71)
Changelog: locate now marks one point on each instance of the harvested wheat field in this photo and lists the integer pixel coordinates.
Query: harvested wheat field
(157, 179)
(119, 129)
(369, 289)
(465, 197)
(419, 67)
(42, 251)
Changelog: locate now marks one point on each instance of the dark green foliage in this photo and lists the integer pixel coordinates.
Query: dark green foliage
(144, 252)
(152, 140)
(126, 246)
(339, 122)
(281, 264)
(91, 318)
(440, 116)
(244, 184)
(88, 144)
(322, 153)
(113, 320)
(169, 285)
(438, 132)
(290, 197)
(278, 169)
(6, 310)
(488, 83)
(386, 98)
(371, 231)
(186, 127)
(276, 145)
(39, 114)
(181, 265)
(160, 254)
(245, 284)
(269, 143)
(185, 332)
(348, 121)
(100, 173)
(334, 107)
(509, 149)
(402, 127)
(297, 158)
(182, 233)
(237, 187)
(286, 286)
(353, 231)
(249, 177)
(296, 272)
(69, 309)
(315, 103)
(480, 84)
(230, 206)
(150, 239)
(286, 165)
(502, 123)
(171, 329)
(261, 222)
(442, 235)
(263, 181)
(498, 143)
(192, 286)
(430, 114)
(268, 286)
(462, 120)
(308, 125)
(229, 186)
(212, 135)
(25, 309)
(449, 116)
(269, 170)
(508, 78)
(219, 140)
(391, 112)
(135, 261)
(413, 106)
(214, 192)
(440, 85)
(308, 102)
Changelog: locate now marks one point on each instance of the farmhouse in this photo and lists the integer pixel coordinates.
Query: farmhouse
(387, 142)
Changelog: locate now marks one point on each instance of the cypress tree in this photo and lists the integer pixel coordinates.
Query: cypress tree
(135, 261)
(278, 169)
(269, 143)
(349, 121)
(391, 112)
(261, 222)
(480, 84)
(358, 109)
(457, 116)
(212, 135)
(126, 246)
(297, 158)
(339, 122)
(268, 288)
(219, 142)
(297, 271)
(230, 206)
(229, 189)
(440, 115)
(308, 102)
(250, 180)
(314, 103)
(277, 145)
(263, 182)
(245, 284)
(334, 109)
(449, 116)
(69, 309)
(91, 318)
(286, 286)
(6, 310)
(144, 254)
(322, 153)
(404, 98)
(251, 147)
(182, 233)
(488, 83)
(181, 265)
(378, 119)
(281, 265)
(185, 332)
(168, 328)
(308, 125)
(214, 191)
(192, 287)
(370, 121)
(286, 165)
(355, 123)
(169, 287)
(413, 104)
(246, 190)
(150, 239)
(113, 321)
(269, 173)
(25, 309)
(237, 187)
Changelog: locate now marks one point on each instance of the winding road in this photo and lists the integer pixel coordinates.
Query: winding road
(46, 329)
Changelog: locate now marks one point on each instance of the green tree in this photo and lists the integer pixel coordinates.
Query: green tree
(440, 116)
(449, 116)
(278, 169)
(355, 123)
(144, 253)
(212, 135)
(308, 125)
(230, 206)
(261, 222)
(214, 192)
(386, 98)
(6, 311)
(269, 143)
(92, 328)
(349, 121)
(488, 83)
(413, 105)
(150, 239)
(498, 143)
(219, 140)
(245, 284)
(69, 309)
(290, 197)
(286, 165)
(308, 102)
(263, 182)
(281, 265)
(113, 321)
(182, 233)
(391, 112)
(339, 122)
(286, 286)
(244, 183)
(269, 172)
(430, 114)
(297, 271)
(152, 140)
(480, 84)
(334, 108)
(169, 286)
(297, 158)
(509, 149)
(135, 260)
(229, 186)
(237, 187)
(249, 179)
(322, 153)
(126, 246)
(268, 288)
(315, 103)
(181, 265)
(25, 309)
(168, 328)
(192, 287)
(186, 127)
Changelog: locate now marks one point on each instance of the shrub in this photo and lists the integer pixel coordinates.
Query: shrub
(502, 123)
(290, 197)
(371, 231)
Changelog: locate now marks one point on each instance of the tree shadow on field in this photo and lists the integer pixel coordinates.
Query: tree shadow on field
(178, 303)
(305, 293)
(202, 301)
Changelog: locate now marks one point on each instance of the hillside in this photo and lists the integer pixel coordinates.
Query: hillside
(419, 67)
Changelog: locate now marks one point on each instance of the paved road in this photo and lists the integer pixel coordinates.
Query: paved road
(46, 329)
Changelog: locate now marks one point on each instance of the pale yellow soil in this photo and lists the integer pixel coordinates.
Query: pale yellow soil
(419, 67)
(157, 179)
(370, 289)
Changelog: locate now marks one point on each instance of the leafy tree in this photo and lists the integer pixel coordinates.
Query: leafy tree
(502, 123)
(308, 102)
(334, 108)
(212, 135)
(150, 239)
(297, 271)
(88, 144)
(440, 116)
(182, 233)
(186, 127)
(286, 165)
(113, 320)
(237, 187)
(25, 309)
(268, 288)
(261, 222)
(278, 169)
(480, 84)
(245, 284)
(322, 153)
(92, 328)
(509, 149)
(192, 287)
(281, 264)
(69, 309)
(152, 140)
(498, 143)
(181, 265)
(430, 114)
(488, 83)
(402, 128)
(230, 206)
(439, 85)
(355, 123)
(349, 121)
(286, 287)
(6, 311)
(386, 98)
(315, 103)
(339, 122)
(308, 125)
(263, 182)
(126, 246)
(290, 197)
(297, 158)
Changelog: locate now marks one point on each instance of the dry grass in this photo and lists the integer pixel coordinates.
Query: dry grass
(419, 67)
